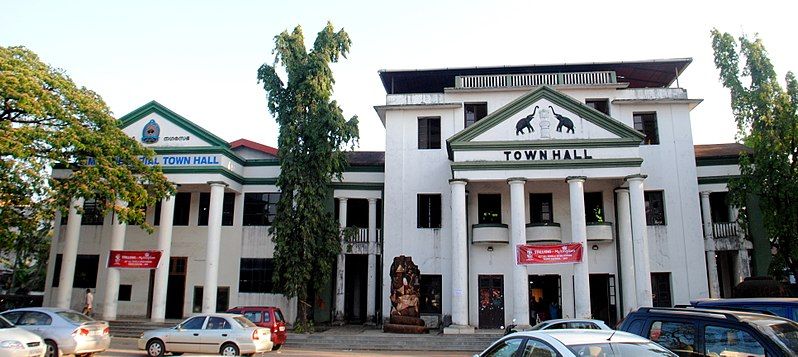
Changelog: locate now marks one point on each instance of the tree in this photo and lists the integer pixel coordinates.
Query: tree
(313, 137)
(46, 122)
(767, 122)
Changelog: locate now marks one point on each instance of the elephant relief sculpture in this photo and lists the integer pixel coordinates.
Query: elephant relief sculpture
(525, 123)
(405, 299)
(564, 122)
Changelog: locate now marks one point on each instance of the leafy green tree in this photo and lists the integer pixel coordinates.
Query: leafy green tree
(767, 122)
(46, 122)
(312, 140)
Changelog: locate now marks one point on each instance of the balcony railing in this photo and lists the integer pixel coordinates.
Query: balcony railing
(535, 79)
(362, 236)
(725, 229)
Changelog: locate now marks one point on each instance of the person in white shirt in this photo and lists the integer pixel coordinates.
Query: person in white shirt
(88, 306)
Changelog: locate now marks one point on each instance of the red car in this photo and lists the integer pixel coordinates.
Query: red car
(265, 316)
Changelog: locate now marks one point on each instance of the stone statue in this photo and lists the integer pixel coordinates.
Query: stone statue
(405, 299)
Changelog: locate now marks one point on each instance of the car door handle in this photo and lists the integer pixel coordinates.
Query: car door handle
(224, 335)
(196, 334)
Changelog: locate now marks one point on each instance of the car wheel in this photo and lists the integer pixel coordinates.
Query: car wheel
(51, 349)
(276, 347)
(155, 348)
(229, 349)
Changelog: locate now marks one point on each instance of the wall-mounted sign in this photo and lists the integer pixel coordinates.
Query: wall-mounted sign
(549, 253)
(151, 132)
(553, 154)
(175, 160)
(134, 259)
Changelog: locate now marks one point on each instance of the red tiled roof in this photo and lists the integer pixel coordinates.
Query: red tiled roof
(720, 150)
(254, 146)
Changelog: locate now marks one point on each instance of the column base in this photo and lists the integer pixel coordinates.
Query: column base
(458, 330)
(338, 319)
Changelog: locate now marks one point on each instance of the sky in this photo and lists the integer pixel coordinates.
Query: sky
(200, 58)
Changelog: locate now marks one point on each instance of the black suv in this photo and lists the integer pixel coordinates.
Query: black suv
(715, 333)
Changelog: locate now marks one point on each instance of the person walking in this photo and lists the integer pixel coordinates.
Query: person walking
(89, 303)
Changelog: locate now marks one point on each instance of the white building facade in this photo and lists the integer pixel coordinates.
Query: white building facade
(478, 161)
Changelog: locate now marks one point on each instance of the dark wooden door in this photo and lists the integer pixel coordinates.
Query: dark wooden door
(491, 301)
(176, 287)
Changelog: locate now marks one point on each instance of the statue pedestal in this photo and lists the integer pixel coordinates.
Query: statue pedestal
(458, 330)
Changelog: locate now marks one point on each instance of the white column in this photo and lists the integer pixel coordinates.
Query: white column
(118, 229)
(709, 246)
(55, 237)
(371, 281)
(640, 240)
(459, 260)
(69, 255)
(209, 289)
(162, 272)
(340, 277)
(579, 236)
(627, 268)
(519, 279)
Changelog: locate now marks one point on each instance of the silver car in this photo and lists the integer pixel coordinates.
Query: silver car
(573, 343)
(580, 324)
(16, 342)
(64, 331)
(224, 334)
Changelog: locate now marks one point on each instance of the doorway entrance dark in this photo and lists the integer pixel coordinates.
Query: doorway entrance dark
(176, 287)
(491, 301)
(545, 298)
(603, 305)
(356, 276)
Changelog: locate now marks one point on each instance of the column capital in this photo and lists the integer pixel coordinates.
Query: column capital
(217, 183)
(622, 190)
(458, 181)
(635, 177)
(512, 180)
(372, 200)
(342, 199)
(570, 179)
(705, 193)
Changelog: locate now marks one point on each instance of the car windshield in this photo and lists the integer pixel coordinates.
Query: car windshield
(5, 323)
(243, 322)
(75, 317)
(643, 349)
(539, 326)
(278, 315)
(786, 334)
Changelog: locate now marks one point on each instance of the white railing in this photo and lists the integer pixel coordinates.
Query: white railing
(535, 79)
(724, 230)
(362, 236)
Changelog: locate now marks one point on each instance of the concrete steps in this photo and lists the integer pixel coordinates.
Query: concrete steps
(395, 342)
(134, 328)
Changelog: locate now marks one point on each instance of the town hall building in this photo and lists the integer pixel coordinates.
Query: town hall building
(523, 193)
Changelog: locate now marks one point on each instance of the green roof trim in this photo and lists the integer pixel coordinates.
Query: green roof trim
(221, 171)
(717, 161)
(166, 113)
(549, 144)
(624, 132)
(370, 186)
(715, 179)
(546, 164)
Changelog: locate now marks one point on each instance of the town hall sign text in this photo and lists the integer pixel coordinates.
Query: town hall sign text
(546, 155)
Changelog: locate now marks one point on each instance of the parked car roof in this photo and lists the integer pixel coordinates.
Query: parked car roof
(578, 337)
(747, 300)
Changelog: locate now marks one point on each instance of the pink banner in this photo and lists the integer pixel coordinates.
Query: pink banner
(549, 253)
(134, 259)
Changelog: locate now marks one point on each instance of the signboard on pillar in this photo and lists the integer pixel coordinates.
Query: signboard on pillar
(549, 254)
(134, 259)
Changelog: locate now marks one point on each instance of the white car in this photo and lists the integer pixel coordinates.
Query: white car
(581, 324)
(64, 331)
(16, 342)
(573, 343)
(224, 334)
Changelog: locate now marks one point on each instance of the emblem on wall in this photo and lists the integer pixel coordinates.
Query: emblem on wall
(545, 115)
(151, 132)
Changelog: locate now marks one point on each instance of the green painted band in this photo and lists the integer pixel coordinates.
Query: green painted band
(548, 164)
(553, 144)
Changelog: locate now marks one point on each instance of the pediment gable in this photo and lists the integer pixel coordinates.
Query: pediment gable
(155, 126)
(543, 116)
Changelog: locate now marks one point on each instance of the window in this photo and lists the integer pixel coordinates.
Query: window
(222, 298)
(253, 316)
(506, 348)
(602, 105)
(35, 318)
(725, 341)
(679, 337)
(430, 293)
(125, 292)
(474, 112)
(255, 275)
(429, 133)
(646, 123)
(541, 208)
(217, 323)
(260, 208)
(92, 213)
(228, 207)
(490, 208)
(85, 271)
(661, 289)
(655, 208)
(182, 207)
(719, 207)
(594, 207)
(194, 323)
(429, 211)
(535, 348)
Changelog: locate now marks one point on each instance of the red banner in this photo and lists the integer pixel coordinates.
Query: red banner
(134, 259)
(549, 253)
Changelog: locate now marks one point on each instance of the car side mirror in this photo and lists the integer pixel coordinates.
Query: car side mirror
(179, 327)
